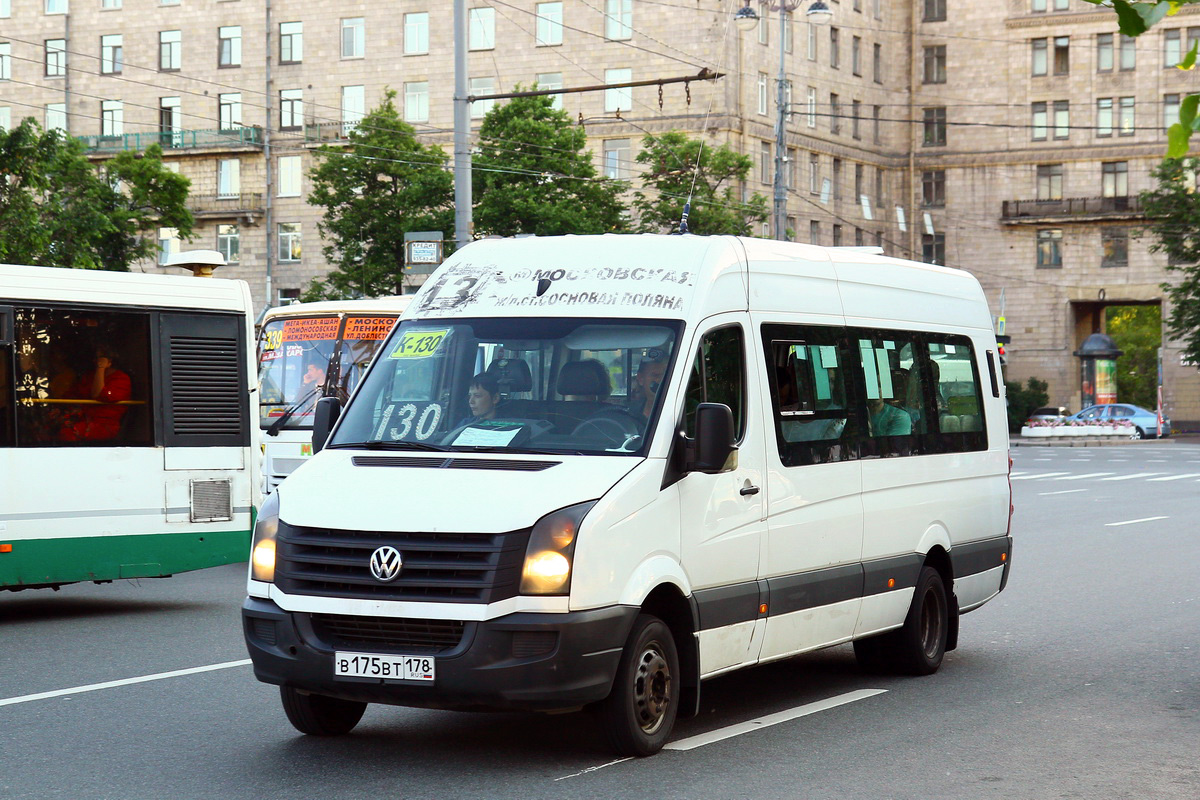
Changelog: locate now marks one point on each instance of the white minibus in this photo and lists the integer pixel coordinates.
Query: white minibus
(126, 445)
(593, 471)
(307, 351)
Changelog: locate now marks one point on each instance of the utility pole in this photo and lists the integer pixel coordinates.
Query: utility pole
(785, 8)
(462, 131)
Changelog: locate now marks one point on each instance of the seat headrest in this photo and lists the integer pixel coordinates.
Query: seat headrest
(587, 377)
(511, 374)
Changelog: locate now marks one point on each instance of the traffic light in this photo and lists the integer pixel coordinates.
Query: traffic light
(1001, 345)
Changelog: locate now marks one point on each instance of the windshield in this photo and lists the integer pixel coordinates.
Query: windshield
(302, 359)
(518, 385)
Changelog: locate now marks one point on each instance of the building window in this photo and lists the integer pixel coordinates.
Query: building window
(877, 63)
(618, 156)
(168, 244)
(1039, 121)
(5, 118)
(1062, 119)
(56, 117)
(812, 42)
(879, 188)
(5, 9)
(170, 51)
(877, 112)
(933, 248)
(1062, 55)
(934, 126)
(1170, 110)
(56, 58)
(812, 107)
(793, 169)
(229, 46)
(478, 86)
(835, 113)
(837, 235)
(1114, 179)
(291, 109)
(354, 107)
(1104, 52)
(834, 54)
(291, 42)
(1040, 65)
(762, 92)
(56, 6)
(787, 33)
(856, 56)
(855, 113)
(764, 161)
(229, 243)
(112, 54)
(837, 179)
(858, 183)
(482, 26)
(1049, 248)
(814, 174)
(1128, 53)
(1125, 117)
(934, 11)
(618, 19)
(1172, 48)
(416, 101)
(289, 176)
(229, 177)
(1114, 244)
(289, 242)
(1049, 181)
(935, 64)
(354, 37)
(112, 118)
(229, 107)
(551, 80)
(170, 119)
(416, 33)
(286, 297)
(933, 188)
(764, 31)
(814, 232)
(618, 99)
(1104, 116)
(549, 23)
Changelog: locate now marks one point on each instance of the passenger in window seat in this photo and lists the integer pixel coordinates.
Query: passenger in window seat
(887, 420)
(109, 386)
(482, 396)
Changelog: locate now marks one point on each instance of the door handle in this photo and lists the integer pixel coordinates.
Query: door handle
(749, 490)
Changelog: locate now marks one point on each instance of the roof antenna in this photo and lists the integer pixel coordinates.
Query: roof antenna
(687, 209)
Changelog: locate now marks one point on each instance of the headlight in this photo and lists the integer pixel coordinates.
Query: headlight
(262, 551)
(551, 547)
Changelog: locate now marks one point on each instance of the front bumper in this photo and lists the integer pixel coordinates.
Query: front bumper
(523, 661)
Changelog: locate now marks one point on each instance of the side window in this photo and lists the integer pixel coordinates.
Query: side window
(955, 377)
(718, 375)
(82, 378)
(813, 420)
(891, 389)
(7, 397)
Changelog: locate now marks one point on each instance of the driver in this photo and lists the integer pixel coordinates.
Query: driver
(645, 387)
(483, 394)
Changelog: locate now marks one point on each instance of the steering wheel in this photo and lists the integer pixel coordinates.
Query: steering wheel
(614, 425)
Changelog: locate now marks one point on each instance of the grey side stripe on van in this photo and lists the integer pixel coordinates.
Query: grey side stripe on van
(727, 605)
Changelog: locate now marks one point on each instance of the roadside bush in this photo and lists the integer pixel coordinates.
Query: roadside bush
(1023, 400)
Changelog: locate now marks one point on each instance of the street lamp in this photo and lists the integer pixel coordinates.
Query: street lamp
(746, 18)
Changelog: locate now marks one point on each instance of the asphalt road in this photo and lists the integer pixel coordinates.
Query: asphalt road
(1081, 680)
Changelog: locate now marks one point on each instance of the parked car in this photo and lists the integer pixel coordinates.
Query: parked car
(1047, 415)
(1145, 423)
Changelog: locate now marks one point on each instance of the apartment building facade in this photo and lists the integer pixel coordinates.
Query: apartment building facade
(1009, 139)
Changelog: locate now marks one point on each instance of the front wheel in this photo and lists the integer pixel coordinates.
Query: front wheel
(917, 648)
(639, 713)
(318, 715)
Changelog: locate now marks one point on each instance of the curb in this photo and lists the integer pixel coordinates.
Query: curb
(1082, 441)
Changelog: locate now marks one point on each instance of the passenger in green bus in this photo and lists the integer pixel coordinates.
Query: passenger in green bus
(887, 420)
(106, 385)
(482, 396)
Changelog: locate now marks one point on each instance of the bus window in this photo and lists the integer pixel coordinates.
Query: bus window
(360, 339)
(294, 359)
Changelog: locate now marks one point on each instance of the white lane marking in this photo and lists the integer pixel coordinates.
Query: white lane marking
(1033, 475)
(1082, 459)
(1084, 476)
(1156, 461)
(692, 742)
(1178, 477)
(92, 687)
(1123, 460)
(593, 769)
(1064, 491)
(1131, 477)
(1017, 474)
(1133, 521)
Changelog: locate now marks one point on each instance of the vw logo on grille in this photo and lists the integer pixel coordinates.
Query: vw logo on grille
(386, 563)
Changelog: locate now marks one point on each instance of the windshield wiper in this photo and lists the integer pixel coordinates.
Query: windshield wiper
(278, 424)
(483, 448)
(379, 444)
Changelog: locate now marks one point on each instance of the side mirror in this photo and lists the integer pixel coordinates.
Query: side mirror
(326, 414)
(713, 445)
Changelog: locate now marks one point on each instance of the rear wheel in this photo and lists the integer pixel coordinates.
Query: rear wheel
(640, 711)
(917, 648)
(318, 715)
(1137, 433)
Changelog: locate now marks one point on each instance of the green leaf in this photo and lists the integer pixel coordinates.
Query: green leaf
(1189, 61)
(1128, 19)
(1177, 141)
(1153, 12)
(1187, 110)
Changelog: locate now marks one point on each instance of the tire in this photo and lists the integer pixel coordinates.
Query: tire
(918, 647)
(639, 713)
(318, 715)
(1137, 433)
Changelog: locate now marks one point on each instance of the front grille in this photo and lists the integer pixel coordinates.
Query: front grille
(388, 635)
(438, 567)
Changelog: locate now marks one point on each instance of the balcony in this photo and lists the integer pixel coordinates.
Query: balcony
(1072, 209)
(317, 132)
(175, 140)
(246, 207)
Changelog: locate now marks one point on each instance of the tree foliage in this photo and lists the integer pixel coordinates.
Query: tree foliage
(1173, 209)
(1022, 400)
(381, 186)
(532, 175)
(58, 209)
(1137, 330)
(716, 207)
